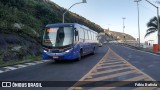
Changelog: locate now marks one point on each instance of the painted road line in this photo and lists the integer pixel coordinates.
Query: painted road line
(118, 62)
(111, 72)
(105, 77)
(78, 88)
(111, 86)
(14, 67)
(21, 65)
(1, 71)
(113, 58)
(46, 60)
(134, 67)
(111, 66)
(38, 62)
(93, 69)
(108, 71)
(111, 76)
(30, 64)
(10, 68)
(111, 61)
(146, 88)
(75, 85)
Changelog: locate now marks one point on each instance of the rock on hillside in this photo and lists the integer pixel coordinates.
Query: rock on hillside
(118, 35)
(22, 23)
(121, 35)
(14, 47)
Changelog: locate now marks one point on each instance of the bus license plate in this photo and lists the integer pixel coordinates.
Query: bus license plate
(55, 57)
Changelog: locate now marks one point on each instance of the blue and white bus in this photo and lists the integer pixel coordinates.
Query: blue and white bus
(68, 41)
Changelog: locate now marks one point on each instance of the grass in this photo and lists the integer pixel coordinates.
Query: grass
(30, 59)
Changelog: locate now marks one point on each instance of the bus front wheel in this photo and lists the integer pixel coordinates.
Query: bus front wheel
(94, 51)
(80, 55)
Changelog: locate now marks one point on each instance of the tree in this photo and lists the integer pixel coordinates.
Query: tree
(152, 27)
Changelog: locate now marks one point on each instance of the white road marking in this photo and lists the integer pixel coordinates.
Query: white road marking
(21, 66)
(14, 67)
(1, 71)
(30, 64)
(10, 68)
(46, 60)
(37, 62)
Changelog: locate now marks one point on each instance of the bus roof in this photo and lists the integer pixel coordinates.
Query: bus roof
(67, 24)
(60, 24)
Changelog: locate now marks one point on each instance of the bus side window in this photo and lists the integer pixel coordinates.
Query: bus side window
(89, 35)
(81, 33)
(96, 36)
(93, 36)
(86, 34)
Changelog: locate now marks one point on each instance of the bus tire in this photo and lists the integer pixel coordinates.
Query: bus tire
(94, 51)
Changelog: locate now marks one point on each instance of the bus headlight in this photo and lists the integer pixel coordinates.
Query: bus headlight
(68, 50)
(44, 51)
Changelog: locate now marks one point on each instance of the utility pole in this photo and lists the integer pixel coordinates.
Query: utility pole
(139, 41)
(123, 29)
(157, 20)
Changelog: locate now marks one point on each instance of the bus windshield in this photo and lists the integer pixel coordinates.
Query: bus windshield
(58, 36)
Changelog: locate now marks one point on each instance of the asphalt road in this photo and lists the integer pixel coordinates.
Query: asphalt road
(52, 71)
(74, 71)
(147, 62)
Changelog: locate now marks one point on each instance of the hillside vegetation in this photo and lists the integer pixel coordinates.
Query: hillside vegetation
(22, 24)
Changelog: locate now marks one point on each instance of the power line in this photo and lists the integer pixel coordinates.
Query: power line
(147, 8)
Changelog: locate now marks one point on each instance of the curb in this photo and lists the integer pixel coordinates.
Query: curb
(137, 48)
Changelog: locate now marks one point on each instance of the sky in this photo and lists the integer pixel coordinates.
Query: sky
(109, 14)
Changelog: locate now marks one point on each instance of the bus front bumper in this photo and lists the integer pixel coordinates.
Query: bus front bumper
(67, 55)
